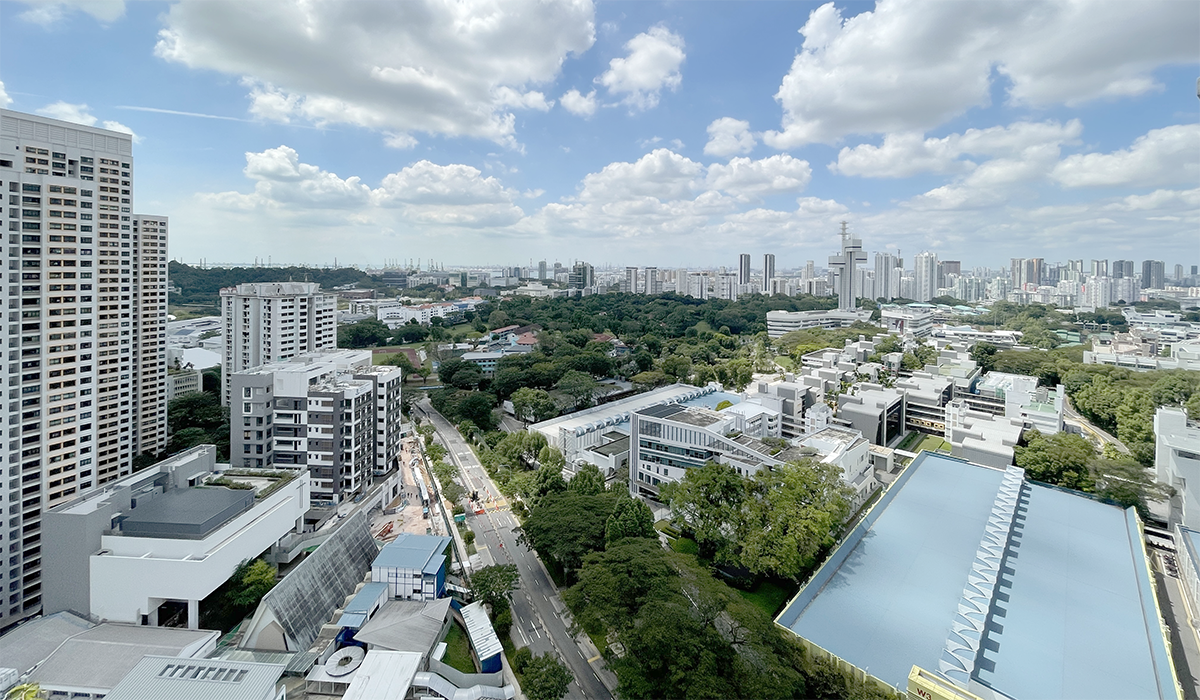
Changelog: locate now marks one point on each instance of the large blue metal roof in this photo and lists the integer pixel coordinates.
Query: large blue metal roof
(1066, 600)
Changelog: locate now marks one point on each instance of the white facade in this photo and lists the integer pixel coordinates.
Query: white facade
(272, 322)
(850, 452)
(126, 576)
(727, 286)
(697, 285)
(1177, 463)
(780, 323)
(86, 300)
(909, 320)
(925, 269)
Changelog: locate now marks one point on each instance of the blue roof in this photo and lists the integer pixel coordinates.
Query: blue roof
(1067, 607)
(367, 597)
(712, 399)
(421, 552)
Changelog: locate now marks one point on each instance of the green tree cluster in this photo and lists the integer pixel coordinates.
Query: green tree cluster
(681, 633)
(233, 600)
(198, 419)
(777, 523)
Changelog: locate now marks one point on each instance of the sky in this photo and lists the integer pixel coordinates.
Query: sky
(675, 134)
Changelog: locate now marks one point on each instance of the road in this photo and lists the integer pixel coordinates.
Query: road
(540, 618)
(1097, 434)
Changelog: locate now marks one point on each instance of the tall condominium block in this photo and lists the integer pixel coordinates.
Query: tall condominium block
(1154, 274)
(85, 372)
(727, 286)
(582, 276)
(744, 268)
(149, 308)
(887, 276)
(653, 283)
(274, 321)
(332, 413)
(768, 272)
(925, 276)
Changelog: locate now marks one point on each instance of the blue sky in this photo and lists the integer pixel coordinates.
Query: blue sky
(670, 134)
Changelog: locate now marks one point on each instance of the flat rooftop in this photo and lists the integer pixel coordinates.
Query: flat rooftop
(618, 411)
(191, 512)
(423, 553)
(197, 679)
(1071, 614)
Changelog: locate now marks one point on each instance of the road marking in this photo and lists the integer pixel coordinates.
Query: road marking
(593, 659)
(523, 637)
(580, 654)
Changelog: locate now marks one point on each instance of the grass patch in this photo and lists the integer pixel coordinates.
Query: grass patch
(785, 362)
(768, 597)
(685, 545)
(909, 440)
(933, 443)
(458, 650)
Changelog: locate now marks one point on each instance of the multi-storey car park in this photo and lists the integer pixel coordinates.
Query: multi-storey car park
(86, 286)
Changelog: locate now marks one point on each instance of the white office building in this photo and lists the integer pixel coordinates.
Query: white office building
(86, 300)
(1177, 463)
(925, 283)
(155, 537)
(274, 321)
(780, 323)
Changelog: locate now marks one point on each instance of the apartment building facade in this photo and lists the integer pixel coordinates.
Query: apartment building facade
(333, 413)
(86, 336)
(272, 322)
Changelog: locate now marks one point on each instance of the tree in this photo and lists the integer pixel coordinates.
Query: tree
(253, 580)
(579, 386)
(1193, 406)
(649, 380)
(401, 360)
(467, 377)
(565, 527)
(547, 481)
(1060, 459)
(709, 500)
(792, 512)
(520, 659)
(1135, 417)
(497, 319)
(678, 367)
(546, 678)
(630, 518)
(211, 380)
(448, 368)
(588, 481)
(494, 584)
(1174, 389)
(363, 334)
(1123, 480)
(984, 355)
(533, 405)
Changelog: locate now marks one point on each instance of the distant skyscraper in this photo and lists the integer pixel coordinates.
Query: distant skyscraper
(629, 284)
(1154, 274)
(582, 276)
(1099, 268)
(768, 272)
(810, 270)
(1178, 273)
(727, 286)
(887, 277)
(1122, 268)
(697, 285)
(952, 267)
(925, 269)
(542, 270)
(653, 283)
(1026, 271)
(844, 265)
(744, 268)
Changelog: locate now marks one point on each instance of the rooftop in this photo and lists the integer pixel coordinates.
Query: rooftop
(614, 446)
(156, 677)
(406, 625)
(937, 558)
(384, 674)
(479, 629)
(186, 512)
(610, 414)
(425, 553)
(97, 659)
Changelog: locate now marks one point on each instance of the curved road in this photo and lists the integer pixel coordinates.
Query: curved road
(540, 619)
(1099, 435)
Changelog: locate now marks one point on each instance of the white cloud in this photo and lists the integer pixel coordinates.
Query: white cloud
(729, 137)
(652, 65)
(50, 12)
(401, 141)
(579, 104)
(913, 64)
(5, 100)
(453, 69)
(1161, 157)
(753, 179)
(288, 190)
(81, 114)
(907, 154)
(660, 174)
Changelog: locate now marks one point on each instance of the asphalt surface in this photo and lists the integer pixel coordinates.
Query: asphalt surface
(540, 618)
(1101, 436)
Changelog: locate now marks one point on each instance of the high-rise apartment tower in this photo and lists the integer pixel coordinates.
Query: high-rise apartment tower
(768, 272)
(85, 336)
(744, 268)
(272, 322)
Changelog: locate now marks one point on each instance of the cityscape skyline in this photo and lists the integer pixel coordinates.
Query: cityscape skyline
(636, 126)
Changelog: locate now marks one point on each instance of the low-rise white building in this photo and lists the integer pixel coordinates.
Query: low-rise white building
(1177, 463)
(780, 323)
(849, 451)
(915, 320)
(161, 535)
